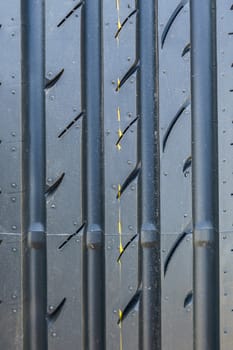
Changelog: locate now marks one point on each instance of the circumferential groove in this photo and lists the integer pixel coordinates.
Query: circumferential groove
(124, 22)
(130, 306)
(174, 121)
(171, 21)
(173, 250)
(51, 189)
(70, 124)
(132, 176)
(70, 13)
(125, 131)
(52, 317)
(67, 240)
(126, 246)
(128, 74)
(186, 49)
(52, 82)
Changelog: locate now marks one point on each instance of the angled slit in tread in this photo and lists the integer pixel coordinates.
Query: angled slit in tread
(71, 236)
(52, 317)
(187, 164)
(189, 299)
(124, 22)
(70, 13)
(70, 124)
(130, 306)
(174, 121)
(51, 189)
(171, 21)
(128, 74)
(52, 82)
(173, 250)
(186, 49)
(126, 246)
(132, 176)
(125, 131)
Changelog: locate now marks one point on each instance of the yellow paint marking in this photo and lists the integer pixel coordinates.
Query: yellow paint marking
(118, 5)
(118, 109)
(118, 84)
(119, 192)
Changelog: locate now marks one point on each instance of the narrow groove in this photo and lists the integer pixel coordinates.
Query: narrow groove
(189, 299)
(70, 13)
(52, 82)
(124, 22)
(173, 250)
(71, 124)
(174, 121)
(52, 317)
(126, 246)
(125, 131)
(128, 74)
(1, 240)
(71, 236)
(187, 164)
(132, 176)
(231, 7)
(51, 189)
(171, 21)
(186, 49)
(130, 306)
(231, 33)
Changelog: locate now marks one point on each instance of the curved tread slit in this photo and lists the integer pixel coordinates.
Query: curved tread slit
(70, 13)
(130, 306)
(128, 74)
(189, 299)
(132, 176)
(124, 22)
(52, 317)
(71, 236)
(173, 250)
(51, 189)
(187, 164)
(174, 121)
(50, 83)
(186, 49)
(70, 124)
(126, 246)
(125, 131)
(171, 21)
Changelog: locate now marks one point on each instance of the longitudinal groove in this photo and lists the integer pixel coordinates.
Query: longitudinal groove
(148, 189)
(94, 269)
(70, 13)
(124, 22)
(174, 121)
(173, 250)
(50, 83)
(204, 169)
(132, 176)
(171, 21)
(34, 204)
(128, 74)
